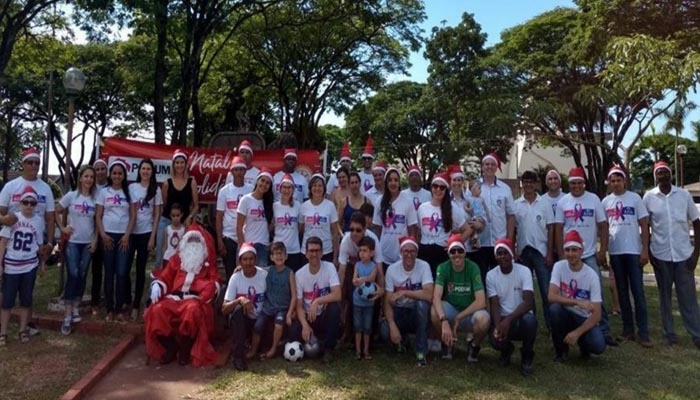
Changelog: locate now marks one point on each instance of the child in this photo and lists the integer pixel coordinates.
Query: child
(365, 272)
(19, 263)
(173, 233)
(475, 208)
(280, 297)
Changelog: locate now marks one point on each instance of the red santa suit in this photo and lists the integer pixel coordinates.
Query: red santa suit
(184, 307)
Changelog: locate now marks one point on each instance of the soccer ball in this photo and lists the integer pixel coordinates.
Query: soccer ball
(293, 351)
(312, 348)
(366, 290)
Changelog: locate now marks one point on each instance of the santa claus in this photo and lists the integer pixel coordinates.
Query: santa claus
(180, 319)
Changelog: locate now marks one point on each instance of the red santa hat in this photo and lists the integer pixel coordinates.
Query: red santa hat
(264, 171)
(573, 239)
(345, 152)
(286, 178)
(368, 152)
(394, 170)
(179, 153)
(290, 152)
(553, 172)
(237, 162)
(406, 241)
(28, 192)
(119, 161)
(494, 157)
(247, 247)
(29, 154)
(455, 241)
(616, 169)
(318, 176)
(380, 165)
(504, 243)
(577, 174)
(414, 169)
(100, 161)
(455, 171)
(441, 179)
(661, 165)
(245, 145)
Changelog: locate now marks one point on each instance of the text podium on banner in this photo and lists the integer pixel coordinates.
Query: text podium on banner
(208, 166)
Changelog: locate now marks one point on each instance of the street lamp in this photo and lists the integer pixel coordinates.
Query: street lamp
(681, 150)
(73, 82)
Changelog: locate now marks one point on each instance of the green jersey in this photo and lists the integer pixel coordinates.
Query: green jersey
(459, 287)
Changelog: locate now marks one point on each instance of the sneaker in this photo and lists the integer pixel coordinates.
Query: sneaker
(240, 364)
(561, 357)
(434, 346)
(32, 329)
(420, 360)
(506, 354)
(645, 342)
(400, 348)
(526, 361)
(66, 327)
(610, 341)
(446, 352)
(109, 317)
(75, 316)
(473, 353)
(134, 315)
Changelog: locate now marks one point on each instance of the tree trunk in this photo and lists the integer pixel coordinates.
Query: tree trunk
(8, 147)
(161, 21)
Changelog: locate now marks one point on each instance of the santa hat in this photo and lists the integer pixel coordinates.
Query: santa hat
(345, 152)
(237, 162)
(28, 192)
(179, 153)
(100, 161)
(286, 178)
(413, 169)
(247, 247)
(406, 241)
(290, 152)
(553, 172)
(504, 243)
(577, 174)
(318, 176)
(441, 178)
(455, 240)
(494, 157)
(264, 171)
(245, 145)
(118, 161)
(30, 153)
(616, 169)
(661, 165)
(455, 171)
(368, 148)
(573, 239)
(390, 170)
(380, 165)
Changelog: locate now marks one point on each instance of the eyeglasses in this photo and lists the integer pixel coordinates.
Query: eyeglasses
(438, 187)
(33, 162)
(457, 250)
(28, 203)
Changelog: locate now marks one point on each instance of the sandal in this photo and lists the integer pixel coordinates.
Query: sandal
(3, 340)
(367, 357)
(23, 336)
(358, 356)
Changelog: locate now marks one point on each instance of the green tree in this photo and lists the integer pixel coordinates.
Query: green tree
(662, 146)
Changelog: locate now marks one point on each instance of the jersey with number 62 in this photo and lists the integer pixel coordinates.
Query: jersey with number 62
(23, 241)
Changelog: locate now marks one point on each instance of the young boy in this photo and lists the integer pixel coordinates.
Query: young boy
(363, 308)
(280, 298)
(173, 233)
(20, 262)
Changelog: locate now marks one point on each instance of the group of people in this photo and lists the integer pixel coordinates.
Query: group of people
(356, 255)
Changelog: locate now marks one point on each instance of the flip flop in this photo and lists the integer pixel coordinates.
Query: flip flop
(3, 340)
(23, 336)
(368, 357)
(358, 356)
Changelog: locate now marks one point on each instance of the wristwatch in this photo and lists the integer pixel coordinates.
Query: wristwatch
(443, 318)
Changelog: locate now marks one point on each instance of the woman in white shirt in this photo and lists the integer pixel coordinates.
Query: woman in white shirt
(255, 216)
(318, 217)
(394, 216)
(115, 220)
(146, 201)
(286, 223)
(76, 218)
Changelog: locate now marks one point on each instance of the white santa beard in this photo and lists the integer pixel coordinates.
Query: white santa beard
(192, 256)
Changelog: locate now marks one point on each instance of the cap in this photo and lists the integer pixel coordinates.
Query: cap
(286, 178)
(414, 169)
(577, 174)
(495, 158)
(245, 145)
(616, 169)
(290, 152)
(504, 243)
(455, 240)
(237, 162)
(661, 165)
(30, 153)
(28, 192)
(345, 152)
(179, 153)
(573, 239)
(264, 171)
(119, 161)
(442, 178)
(247, 247)
(455, 171)
(380, 165)
(407, 240)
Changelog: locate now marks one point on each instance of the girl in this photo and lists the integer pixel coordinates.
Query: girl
(286, 223)
(318, 217)
(347, 205)
(76, 218)
(394, 216)
(173, 233)
(255, 216)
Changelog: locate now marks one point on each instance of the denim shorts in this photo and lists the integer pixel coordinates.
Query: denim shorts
(22, 284)
(362, 319)
(465, 325)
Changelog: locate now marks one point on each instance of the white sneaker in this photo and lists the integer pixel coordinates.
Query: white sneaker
(66, 327)
(434, 346)
(75, 316)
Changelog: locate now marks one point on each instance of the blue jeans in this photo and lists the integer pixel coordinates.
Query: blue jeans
(524, 329)
(629, 277)
(326, 327)
(565, 321)
(138, 246)
(160, 237)
(604, 324)
(77, 262)
(115, 262)
(680, 273)
(534, 260)
(262, 254)
(18, 284)
(411, 320)
(362, 319)
(231, 257)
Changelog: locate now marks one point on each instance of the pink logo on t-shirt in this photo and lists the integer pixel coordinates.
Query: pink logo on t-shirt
(416, 203)
(367, 184)
(84, 208)
(433, 222)
(116, 199)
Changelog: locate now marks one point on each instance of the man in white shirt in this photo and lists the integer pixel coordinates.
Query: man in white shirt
(554, 192)
(245, 152)
(628, 252)
(345, 162)
(673, 257)
(511, 300)
(377, 191)
(415, 190)
(301, 185)
(366, 178)
(534, 222)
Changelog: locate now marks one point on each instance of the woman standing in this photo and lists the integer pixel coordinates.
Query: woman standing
(342, 191)
(146, 201)
(255, 216)
(351, 203)
(394, 216)
(115, 221)
(286, 223)
(182, 189)
(76, 219)
(318, 217)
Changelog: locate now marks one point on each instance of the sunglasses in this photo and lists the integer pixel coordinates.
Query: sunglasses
(33, 162)
(457, 250)
(28, 203)
(438, 187)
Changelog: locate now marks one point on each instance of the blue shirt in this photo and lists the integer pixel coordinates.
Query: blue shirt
(278, 292)
(363, 270)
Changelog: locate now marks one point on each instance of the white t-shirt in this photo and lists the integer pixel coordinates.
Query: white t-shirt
(287, 226)
(317, 220)
(624, 213)
(668, 217)
(374, 196)
(252, 288)
(81, 216)
(312, 286)
(251, 175)
(301, 186)
(227, 202)
(531, 220)
(400, 216)
(581, 285)
(417, 198)
(332, 183)
(582, 214)
(499, 201)
(115, 217)
(366, 181)
(398, 279)
(173, 240)
(553, 201)
(145, 212)
(432, 230)
(509, 288)
(23, 241)
(12, 191)
(255, 227)
(349, 250)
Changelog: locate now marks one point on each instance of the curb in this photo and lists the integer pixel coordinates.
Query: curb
(87, 326)
(89, 380)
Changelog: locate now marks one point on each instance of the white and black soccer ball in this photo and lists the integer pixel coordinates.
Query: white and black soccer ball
(366, 290)
(293, 351)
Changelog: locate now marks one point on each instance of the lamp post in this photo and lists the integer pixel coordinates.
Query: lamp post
(681, 150)
(73, 82)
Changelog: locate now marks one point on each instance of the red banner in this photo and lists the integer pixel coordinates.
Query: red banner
(208, 166)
